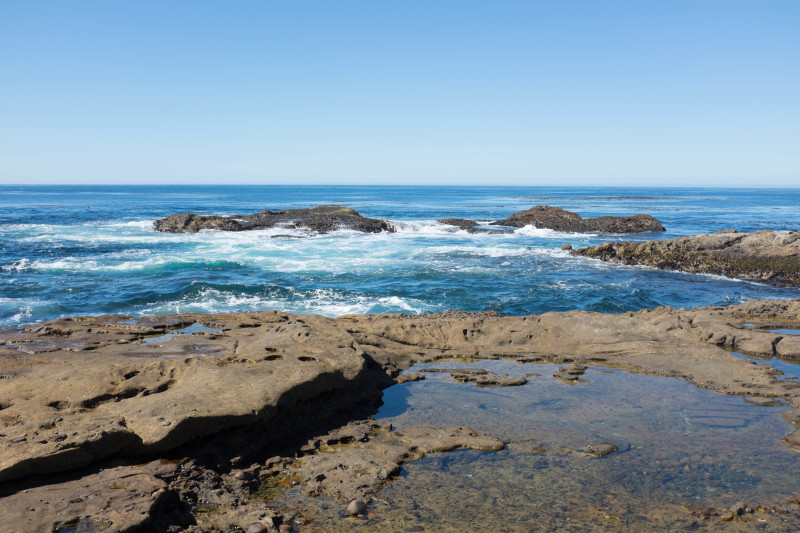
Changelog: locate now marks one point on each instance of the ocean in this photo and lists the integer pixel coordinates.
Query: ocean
(90, 250)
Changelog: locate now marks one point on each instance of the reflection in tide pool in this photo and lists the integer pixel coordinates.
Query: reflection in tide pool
(678, 446)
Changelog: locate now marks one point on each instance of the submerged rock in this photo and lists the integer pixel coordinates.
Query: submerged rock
(599, 449)
(356, 507)
(480, 377)
(556, 218)
(768, 256)
(462, 223)
(322, 219)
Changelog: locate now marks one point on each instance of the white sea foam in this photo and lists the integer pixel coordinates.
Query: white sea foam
(425, 227)
(480, 251)
(144, 225)
(532, 231)
(326, 302)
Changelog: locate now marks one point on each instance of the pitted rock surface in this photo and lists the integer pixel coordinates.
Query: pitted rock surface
(84, 388)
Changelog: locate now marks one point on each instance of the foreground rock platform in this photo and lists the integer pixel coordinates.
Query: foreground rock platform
(322, 219)
(196, 412)
(767, 256)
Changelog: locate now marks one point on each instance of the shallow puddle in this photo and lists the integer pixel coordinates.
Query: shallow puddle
(677, 446)
(188, 330)
(790, 370)
(786, 331)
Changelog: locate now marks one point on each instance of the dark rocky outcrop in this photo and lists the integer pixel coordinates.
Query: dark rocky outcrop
(462, 223)
(555, 218)
(768, 256)
(322, 219)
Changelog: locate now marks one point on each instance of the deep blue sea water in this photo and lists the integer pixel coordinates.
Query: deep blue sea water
(87, 250)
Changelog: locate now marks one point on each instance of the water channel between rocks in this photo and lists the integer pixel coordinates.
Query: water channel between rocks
(678, 445)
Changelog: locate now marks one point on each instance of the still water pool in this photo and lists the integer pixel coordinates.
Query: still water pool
(678, 446)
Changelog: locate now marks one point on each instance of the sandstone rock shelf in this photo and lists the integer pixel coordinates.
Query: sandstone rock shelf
(768, 256)
(237, 404)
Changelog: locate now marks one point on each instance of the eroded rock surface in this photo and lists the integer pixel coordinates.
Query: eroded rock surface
(768, 256)
(213, 390)
(80, 389)
(556, 218)
(116, 499)
(322, 219)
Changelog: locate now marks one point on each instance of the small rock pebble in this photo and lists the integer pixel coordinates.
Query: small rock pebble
(356, 507)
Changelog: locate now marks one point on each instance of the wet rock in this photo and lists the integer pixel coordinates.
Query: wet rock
(566, 247)
(737, 509)
(556, 218)
(356, 507)
(600, 449)
(356, 460)
(566, 377)
(481, 377)
(759, 400)
(405, 378)
(191, 223)
(322, 219)
(768, 256)
(462, 223)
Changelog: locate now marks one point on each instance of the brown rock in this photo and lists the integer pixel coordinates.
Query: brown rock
(600, 449)
(123, 498)
(204, 391)
(355, 507)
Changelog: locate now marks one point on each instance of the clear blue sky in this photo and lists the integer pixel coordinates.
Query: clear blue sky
(592, 92)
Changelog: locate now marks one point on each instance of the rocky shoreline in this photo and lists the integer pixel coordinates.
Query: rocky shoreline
(169, 418)
(766, 256)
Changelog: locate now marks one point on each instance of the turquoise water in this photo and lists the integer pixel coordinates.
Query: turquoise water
(92, 250)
